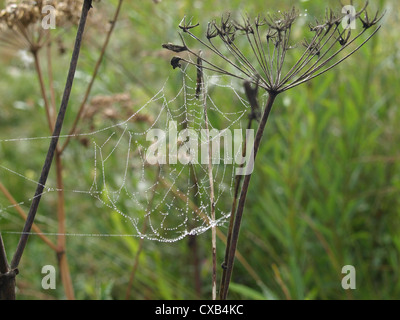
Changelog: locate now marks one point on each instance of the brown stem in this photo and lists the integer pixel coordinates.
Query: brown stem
(61, 241)
(61, 237)
(51, 82)
(47, 108)
(238, 181)
(95, 72)
(22, 213)
(65, 275)
(55, 137)
(252, 97)
(51, 118)
(243, 195)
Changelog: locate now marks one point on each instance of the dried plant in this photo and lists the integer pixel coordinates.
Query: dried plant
(21, 21)
(9, 271)
(269, 39)
(29, 12)
(20, 28)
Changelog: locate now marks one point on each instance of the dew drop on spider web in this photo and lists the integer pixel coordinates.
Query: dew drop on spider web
(164, 202)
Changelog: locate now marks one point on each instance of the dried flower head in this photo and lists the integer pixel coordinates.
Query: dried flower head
(21, 21)
(27, 12)
(269, 39)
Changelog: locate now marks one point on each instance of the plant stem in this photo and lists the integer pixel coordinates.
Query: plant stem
(62, 258)
(51, 114)
(51, 82)
(61, 238)
(212, 199)
(243, 195)
(94, 75)
(7, 276)
(253, 100)
(53, 143)
(21, 212)
(47, 108)
(238, 181)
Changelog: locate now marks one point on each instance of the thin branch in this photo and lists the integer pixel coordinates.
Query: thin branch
(217, 52)
(51, 118)
(211, 180)
(47, 107)
(94, 75)
(51, 82)
(259, 52)
(202, 87)
(61, 238)
(309, 53)
(315, 67)
(312, 76)
(22, 213)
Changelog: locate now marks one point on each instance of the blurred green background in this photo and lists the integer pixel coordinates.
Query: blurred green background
(326, 192)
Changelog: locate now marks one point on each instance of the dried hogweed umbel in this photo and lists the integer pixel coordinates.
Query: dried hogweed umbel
(30, 12)
(21, 21)
(269, 39)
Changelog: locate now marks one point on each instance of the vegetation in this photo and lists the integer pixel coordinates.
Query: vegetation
(325, 194)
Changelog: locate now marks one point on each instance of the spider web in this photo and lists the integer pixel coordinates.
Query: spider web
(163, 202)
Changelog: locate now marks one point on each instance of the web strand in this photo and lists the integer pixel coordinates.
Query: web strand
(121, 180)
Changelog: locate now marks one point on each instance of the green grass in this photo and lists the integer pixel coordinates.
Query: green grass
(325, 194)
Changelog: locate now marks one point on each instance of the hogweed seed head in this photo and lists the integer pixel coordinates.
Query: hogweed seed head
(268, 39)
(27, 12)
(21, 21)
